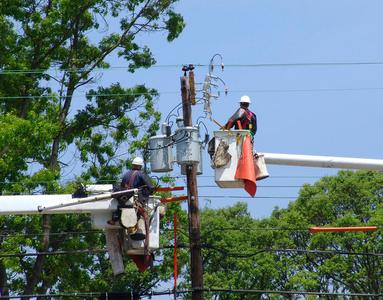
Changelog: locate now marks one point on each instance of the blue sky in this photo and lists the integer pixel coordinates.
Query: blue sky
(319, 110)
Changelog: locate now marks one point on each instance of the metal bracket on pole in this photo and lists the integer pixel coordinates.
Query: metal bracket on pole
(100, 197)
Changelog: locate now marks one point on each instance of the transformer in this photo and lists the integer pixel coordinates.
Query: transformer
(161, 153)
(199, 165)
(188, 145)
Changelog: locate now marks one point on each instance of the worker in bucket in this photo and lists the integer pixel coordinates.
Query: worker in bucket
(136, 210)
(136, 178)
(243, 118)
(135, 217)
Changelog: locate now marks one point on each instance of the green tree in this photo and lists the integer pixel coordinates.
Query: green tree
(243, 253)
(49, 50)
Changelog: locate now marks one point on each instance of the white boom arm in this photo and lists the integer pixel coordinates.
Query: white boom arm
(30, 204)
(323, 161)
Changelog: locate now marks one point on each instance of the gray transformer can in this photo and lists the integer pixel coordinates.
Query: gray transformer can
(188, 145)
(161, 154)
(199, 165)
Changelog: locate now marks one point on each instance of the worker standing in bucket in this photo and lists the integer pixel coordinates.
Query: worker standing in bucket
(243, 118)
(132, 179)
(136, 178)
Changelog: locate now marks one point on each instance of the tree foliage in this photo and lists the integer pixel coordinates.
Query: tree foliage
(243, 253)
(50, 50)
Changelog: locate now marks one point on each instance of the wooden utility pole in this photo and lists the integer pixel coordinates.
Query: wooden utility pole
(193, 210)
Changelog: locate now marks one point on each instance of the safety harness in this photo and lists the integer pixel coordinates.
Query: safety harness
(141, 211)
(248, 116)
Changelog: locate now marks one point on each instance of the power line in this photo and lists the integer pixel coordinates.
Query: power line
(304, 64)
(74, 294)
(270, 177)
(309, 90)
(49, 253)
(297, 229)
(259, 186)
(129, 295)
(5, 234)
(203, 246)
(227, 253)
(33, 97)
(248, 197)
(255, 65)
(303, 293)
(83, 95)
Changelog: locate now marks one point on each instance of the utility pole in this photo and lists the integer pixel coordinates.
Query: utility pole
(193, 209)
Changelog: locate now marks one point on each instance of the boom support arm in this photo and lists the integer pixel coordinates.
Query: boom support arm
(323, 161)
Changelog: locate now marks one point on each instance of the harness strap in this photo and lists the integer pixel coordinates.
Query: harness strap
(141, 212)
(133, 176)
(248, 117)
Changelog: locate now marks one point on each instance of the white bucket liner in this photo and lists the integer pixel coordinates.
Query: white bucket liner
(224, 176)
(137, 247)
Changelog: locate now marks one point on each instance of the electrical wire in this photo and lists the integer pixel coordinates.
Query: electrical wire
(173, 177)
(308, 90)
(299, 229)
(177, 92)
(259, 65)
(149, 294)
(6, 234)
(226, 253)
(54, 295)
(206, 246)
(296, 229)
(248, 197)
(254, 291)
(49, 253)
(270, 177)
(82, 95)
(170, 113)
(183, 138)
(258, 186)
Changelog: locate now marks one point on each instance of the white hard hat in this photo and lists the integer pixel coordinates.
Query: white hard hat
(245, 99)
(138, 161)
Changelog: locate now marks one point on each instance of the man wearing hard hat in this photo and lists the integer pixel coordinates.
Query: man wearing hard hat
(243, 118)
(136, 178)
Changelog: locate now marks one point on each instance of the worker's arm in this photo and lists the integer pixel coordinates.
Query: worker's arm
(148, 184)
(236, 116)
(254, 124)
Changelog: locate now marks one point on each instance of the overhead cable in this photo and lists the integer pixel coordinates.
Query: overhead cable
(248, 197)
(48, 253)
(5, 234)
(204, 246)
(33, 97)
(246, 65)
(211, 290)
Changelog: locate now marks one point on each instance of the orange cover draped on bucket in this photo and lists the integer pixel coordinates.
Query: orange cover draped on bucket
(245, 168)
(142, 261)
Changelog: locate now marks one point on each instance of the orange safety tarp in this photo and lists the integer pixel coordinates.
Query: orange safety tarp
(245, 168)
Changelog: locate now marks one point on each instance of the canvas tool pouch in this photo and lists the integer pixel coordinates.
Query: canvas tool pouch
(221, 156)
(140, 233)
(128, 217)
